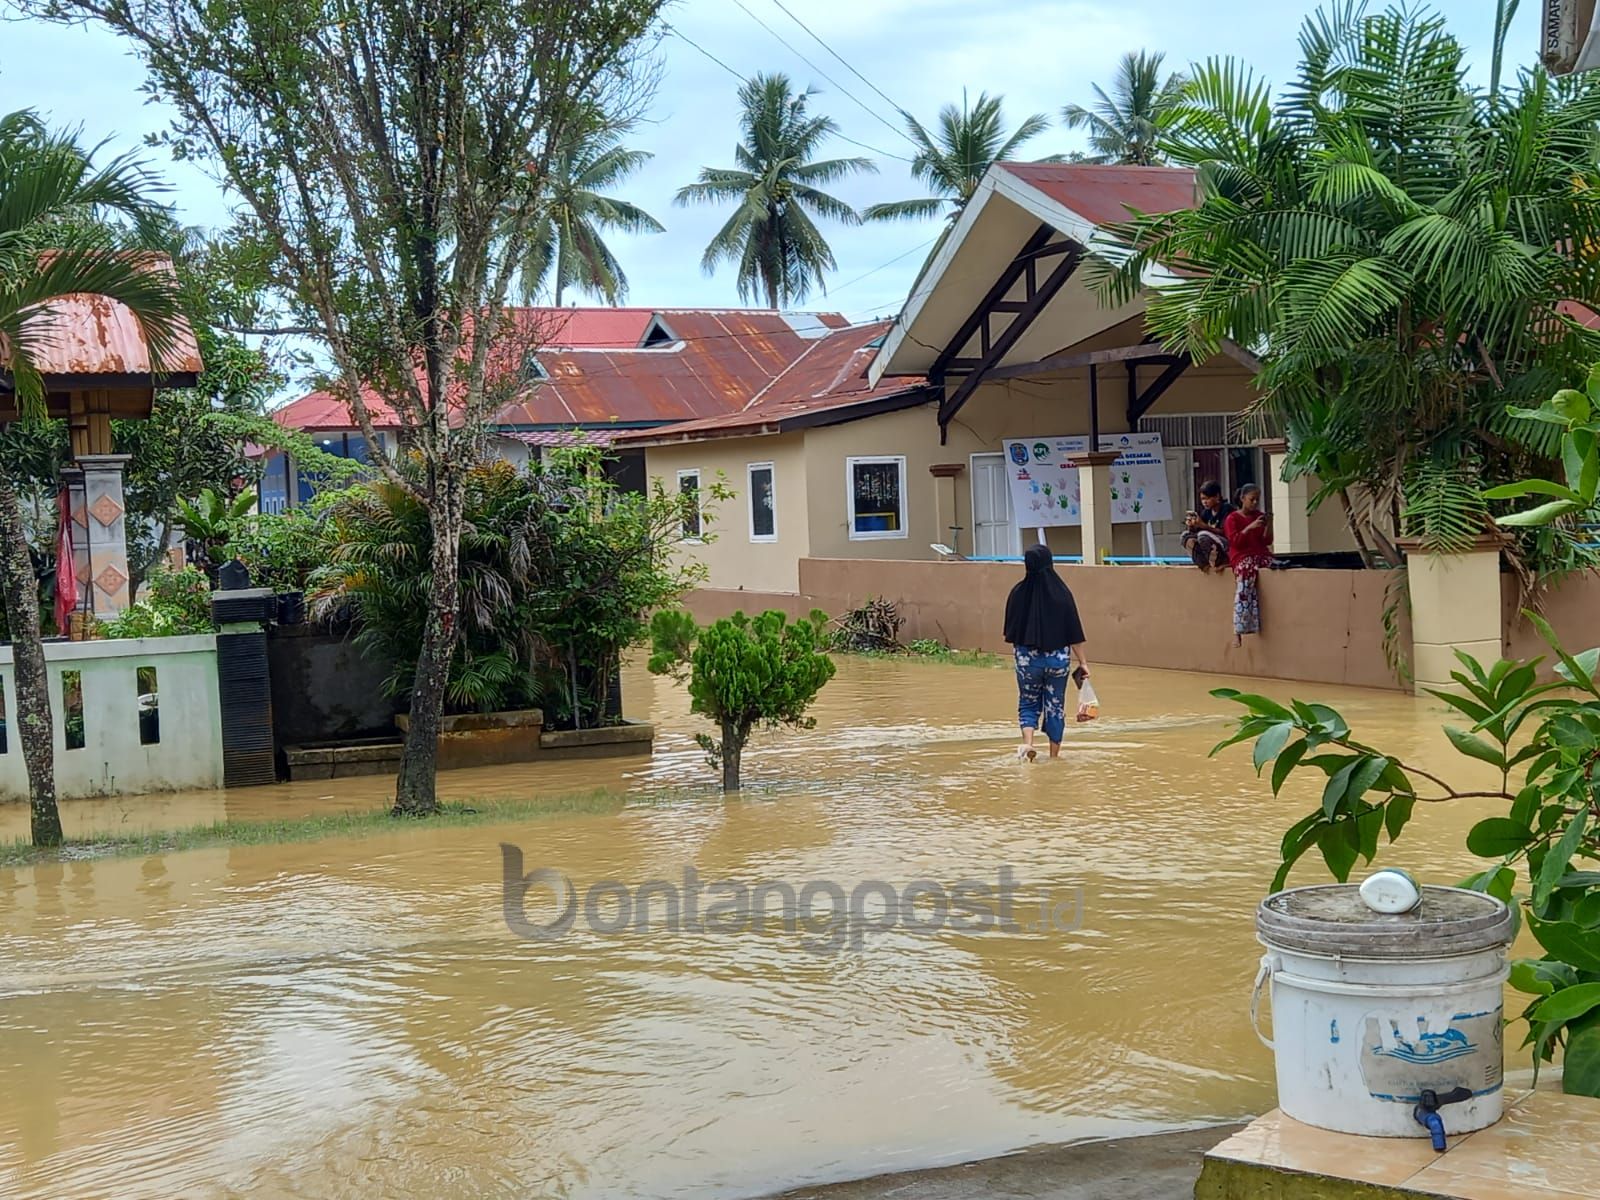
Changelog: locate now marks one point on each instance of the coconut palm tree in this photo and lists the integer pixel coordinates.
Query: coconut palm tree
(780, 252)
(567, 248)
(968, 141)
(1125, 127)
(54, 242)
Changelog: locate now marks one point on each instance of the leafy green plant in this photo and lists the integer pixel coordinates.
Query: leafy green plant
(1543, 740)
(1575, 414)
(1399, 249)
(743, 672)
(174, 603)
(211, 520)
(558, 573)
(281, 550)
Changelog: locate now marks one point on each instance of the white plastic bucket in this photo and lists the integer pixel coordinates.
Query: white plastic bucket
(1369, 1011)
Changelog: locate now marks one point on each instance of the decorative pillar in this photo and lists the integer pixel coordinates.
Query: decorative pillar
(1289, 501)
(99, 533)
(1455, 605)
(1094, 503)
(945, 501)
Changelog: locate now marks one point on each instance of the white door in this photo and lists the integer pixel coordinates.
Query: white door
(992, 534)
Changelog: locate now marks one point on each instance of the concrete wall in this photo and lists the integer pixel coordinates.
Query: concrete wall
(731, 555)
(1320, 626)
(324, 688)
(113, 760)
(1572, 608)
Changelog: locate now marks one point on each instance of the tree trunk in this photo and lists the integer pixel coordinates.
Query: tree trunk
(416, 792)
(34, 723)
(732, 750)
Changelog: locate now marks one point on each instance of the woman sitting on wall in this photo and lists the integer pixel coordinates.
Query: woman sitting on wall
(1249, 534)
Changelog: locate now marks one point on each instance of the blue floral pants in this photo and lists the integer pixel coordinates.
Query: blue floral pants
(1042, 689)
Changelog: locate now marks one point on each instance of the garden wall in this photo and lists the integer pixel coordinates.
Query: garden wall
(323, 688)
(115, 757)
(1320, 626)
(1572, 607)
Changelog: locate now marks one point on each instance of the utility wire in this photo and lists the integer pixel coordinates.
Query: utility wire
(899, 108)
(872, 112)
(681, 36)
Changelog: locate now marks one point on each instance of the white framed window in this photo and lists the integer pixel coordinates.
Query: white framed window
(763, 502)
(689, 496)
(875, 497)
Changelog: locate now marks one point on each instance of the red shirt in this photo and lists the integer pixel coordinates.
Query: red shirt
(1244, 542)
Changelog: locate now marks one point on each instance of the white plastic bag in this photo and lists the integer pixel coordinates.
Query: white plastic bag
(1088, 702)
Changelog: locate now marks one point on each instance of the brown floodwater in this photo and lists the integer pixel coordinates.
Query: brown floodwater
(352, 1018)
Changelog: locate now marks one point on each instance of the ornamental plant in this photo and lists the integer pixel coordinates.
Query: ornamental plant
(743, 672)
(1542, 850)
(174, 603)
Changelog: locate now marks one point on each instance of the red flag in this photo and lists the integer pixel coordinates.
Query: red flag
(66, 569)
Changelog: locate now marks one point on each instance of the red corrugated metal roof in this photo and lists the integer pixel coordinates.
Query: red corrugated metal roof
(1102, 195)
(720, 359)
(590, 326)
(95, 335)
(830, 377)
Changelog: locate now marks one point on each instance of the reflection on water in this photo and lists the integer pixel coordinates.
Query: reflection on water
(352, 1018)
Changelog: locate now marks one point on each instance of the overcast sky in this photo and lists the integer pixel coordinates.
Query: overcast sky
(1039, 54)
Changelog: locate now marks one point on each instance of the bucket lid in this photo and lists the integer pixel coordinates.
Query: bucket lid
(1333, 920)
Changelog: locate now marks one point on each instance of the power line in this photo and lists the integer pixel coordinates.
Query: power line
(883, 266)
(681, 36)
(814, 37)
(872, 112)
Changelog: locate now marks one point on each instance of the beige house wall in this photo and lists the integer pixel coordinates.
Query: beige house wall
(812, 478)
(731, 556)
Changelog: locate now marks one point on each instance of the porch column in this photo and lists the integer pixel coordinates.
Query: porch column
(1455, 605)
(945, 499)
(1094, 503)
(101, 556)
(1290, 501)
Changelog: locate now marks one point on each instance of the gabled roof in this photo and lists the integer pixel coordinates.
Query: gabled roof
(1013, 201)
(719, 360)
(594, 368)
(827, 385)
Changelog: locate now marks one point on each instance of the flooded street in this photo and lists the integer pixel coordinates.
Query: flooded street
(352, 1018)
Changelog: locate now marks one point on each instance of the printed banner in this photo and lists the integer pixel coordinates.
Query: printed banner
(1044, 488)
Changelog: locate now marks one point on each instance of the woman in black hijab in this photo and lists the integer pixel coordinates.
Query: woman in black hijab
(1043, 628)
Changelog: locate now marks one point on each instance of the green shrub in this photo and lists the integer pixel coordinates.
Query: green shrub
(558, 573)
(172, 603)
(281, 550)
(743, 672)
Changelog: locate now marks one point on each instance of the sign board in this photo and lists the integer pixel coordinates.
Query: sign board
(1569, 39)
(1044, 488)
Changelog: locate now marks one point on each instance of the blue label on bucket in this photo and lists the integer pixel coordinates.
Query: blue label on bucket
(1402, 1058)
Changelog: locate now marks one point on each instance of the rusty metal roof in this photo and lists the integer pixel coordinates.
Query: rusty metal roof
(826, 385)
(1103, 195)
(697, 363)
(95, 335)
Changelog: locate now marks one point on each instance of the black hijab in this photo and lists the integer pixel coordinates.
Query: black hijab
(1040, 612)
